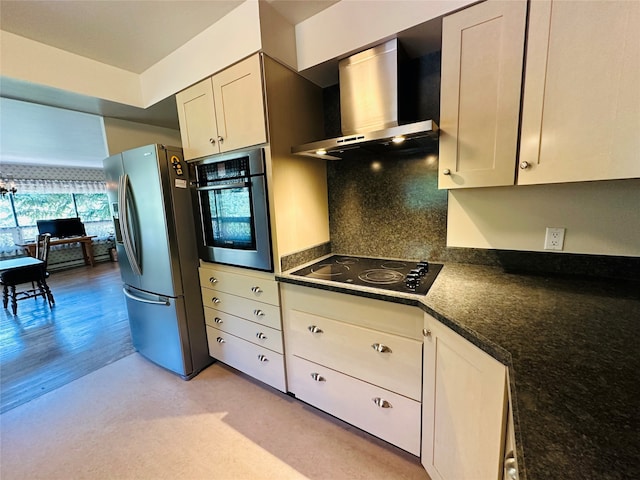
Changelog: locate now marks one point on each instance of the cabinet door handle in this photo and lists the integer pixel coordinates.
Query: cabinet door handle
(213, 280)
(218, 320)
(446, 171)
(261, 336)
(220, 340)
(212, 141)
(256, 290)
(381, 402)
(215, 300)
(258, 313)
(317, 377)
(262, 358)
(426, 332)
(314, 329)
(379, 347)
(220, 139)
(524, 165)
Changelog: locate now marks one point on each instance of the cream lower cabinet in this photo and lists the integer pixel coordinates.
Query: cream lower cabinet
(224, 112)
(464, 408)
(358, 359)
(244, 328)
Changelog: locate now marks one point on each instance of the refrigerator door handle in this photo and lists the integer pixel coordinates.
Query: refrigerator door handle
(129, 248)
(130, 295)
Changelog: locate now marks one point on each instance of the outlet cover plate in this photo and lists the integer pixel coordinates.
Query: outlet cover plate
(554, 238)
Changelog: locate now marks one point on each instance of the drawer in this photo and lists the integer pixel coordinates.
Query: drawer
(396, 363)
(248, 286)
(405, 320)
(266, 337)
(258, 312)
(255, 361)
(397, 421)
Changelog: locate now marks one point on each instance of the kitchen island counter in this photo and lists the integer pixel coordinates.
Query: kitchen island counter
(571, 347)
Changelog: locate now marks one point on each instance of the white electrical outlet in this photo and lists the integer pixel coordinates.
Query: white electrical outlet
(554, 239)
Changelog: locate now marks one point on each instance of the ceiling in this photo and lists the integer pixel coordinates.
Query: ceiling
(129, 34)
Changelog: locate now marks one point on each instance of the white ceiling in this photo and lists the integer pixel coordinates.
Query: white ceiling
(129, 34)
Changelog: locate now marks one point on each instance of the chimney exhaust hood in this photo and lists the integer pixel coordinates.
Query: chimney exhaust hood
(370, 106)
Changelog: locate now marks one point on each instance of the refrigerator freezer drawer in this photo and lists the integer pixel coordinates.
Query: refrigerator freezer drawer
(157, 330)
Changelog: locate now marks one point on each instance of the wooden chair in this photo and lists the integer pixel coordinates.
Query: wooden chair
(34, 274)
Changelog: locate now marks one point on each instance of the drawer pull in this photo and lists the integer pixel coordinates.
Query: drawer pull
(381, 402)
(262, 358)
(314, 329)
(220, 340)
(258, 313)
(218, 320)
(256, 290)
(317, 377)
(215, 300)
(378, 347)
(261, 336)
(213, 280)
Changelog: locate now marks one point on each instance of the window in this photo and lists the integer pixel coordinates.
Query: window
(19, 212)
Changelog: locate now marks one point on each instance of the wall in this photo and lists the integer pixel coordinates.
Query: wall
(599, 217)
(123, 135)
(39, 134)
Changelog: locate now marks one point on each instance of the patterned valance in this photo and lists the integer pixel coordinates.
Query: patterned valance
(56, 186)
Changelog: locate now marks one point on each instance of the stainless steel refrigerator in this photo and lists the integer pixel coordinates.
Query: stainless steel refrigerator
(150, 200)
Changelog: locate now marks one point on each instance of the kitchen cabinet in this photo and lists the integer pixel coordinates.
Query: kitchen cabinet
(482, 55)
(224, 112)
(581, 103)
(358, 359)
(244, 328)
(464, 407)
(580, 110)
(244, 99)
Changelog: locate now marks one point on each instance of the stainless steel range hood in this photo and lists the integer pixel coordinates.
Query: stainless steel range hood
(370, 108)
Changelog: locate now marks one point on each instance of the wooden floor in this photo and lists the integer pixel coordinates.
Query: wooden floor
(42, 349)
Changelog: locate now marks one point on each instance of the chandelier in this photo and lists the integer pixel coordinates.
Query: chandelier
(4, 188)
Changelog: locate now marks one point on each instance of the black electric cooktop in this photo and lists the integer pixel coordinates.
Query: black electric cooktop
(405, 276)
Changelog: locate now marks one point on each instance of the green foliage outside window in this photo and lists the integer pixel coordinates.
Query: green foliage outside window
(23, 209)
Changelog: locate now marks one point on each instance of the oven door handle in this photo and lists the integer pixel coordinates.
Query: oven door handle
(225, 186)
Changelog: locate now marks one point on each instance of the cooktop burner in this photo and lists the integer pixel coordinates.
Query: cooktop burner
(397, 275)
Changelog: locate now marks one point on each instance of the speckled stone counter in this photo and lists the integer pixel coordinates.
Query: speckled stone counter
(573, 351)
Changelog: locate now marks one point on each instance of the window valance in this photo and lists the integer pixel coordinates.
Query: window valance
(57, 186)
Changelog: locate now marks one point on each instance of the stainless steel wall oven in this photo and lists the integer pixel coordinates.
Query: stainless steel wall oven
(231, 194)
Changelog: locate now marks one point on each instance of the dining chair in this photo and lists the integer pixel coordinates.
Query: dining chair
(34, 274)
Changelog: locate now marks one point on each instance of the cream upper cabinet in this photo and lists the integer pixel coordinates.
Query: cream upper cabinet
(464, 407)
(482, 56)
(225, 112)
(197, 117)
(581, 104)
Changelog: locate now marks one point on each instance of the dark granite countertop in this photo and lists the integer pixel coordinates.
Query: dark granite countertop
(572, 347)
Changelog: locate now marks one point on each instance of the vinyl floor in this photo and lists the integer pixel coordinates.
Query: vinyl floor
(42, 349)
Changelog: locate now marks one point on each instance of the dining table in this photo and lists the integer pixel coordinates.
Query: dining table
(19, 262)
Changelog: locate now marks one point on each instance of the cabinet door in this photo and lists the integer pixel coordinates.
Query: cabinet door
(482, 55)
(239, 103)
(463, 408)
(581, 104)
(197, 119)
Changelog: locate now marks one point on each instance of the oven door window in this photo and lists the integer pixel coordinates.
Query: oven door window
(228, 218)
